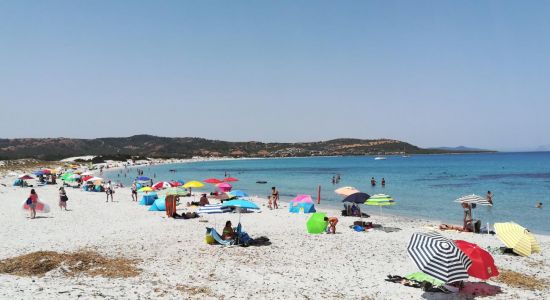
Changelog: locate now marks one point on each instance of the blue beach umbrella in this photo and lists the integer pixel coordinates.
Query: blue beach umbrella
(358, 198)
(238, 193)
(240, 203)
(38, 173)
(143, 178)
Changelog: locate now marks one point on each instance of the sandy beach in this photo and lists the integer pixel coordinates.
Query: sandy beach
(176, 262)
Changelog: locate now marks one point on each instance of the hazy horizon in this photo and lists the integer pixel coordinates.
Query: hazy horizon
(430, 73)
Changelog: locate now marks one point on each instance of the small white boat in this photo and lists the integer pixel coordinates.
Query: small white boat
(379, 158)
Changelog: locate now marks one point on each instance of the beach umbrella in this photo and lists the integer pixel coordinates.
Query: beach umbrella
(77, 171)
(66, 175)
(380, 200)
(46, 171)
(25, 177)
(87, 173)
(316, 223)
(143, 178)
(161, 185)
(302, 198)
(94, 179)
(346, 191)
(213, 180)
(87, 177)
(474, 199)
(193, 184)
(213, 209)
(145, 189)
(38, 173)
(483, 264)
(421, 277)
(438, 256)
(230, 179)
(175, 183)
(224, 186)
(358, 198)
(518, 238)
(240, 204)
(176, 191)
(237, 193)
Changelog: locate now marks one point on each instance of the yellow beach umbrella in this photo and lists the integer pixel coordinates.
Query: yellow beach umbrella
(518, 238)
(146, 189)
(193, 184)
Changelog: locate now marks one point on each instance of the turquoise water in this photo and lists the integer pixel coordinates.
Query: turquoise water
(423, 185)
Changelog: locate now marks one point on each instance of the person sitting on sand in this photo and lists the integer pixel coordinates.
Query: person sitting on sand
(332, 221)
(228, 233)
(539, 205)
(203, 200)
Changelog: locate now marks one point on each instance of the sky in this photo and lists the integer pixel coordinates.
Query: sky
(432, 73)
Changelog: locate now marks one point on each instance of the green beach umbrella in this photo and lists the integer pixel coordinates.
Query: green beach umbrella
(176, 191)
(316, 223)
(380, 200)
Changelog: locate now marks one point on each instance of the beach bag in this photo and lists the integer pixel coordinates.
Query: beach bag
(358, 228)
(29, 201)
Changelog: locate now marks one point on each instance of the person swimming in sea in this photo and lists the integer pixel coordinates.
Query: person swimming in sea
(372, 181)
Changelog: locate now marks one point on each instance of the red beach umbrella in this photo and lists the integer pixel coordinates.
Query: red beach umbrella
(213, 180)
(175, 184)
(25, 177)
(483, 264)
(230, 179)
(86, 178)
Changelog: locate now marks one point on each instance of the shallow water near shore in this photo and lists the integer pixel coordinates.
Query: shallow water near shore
(422, 185)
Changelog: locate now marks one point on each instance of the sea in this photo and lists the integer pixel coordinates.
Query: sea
(423, 186)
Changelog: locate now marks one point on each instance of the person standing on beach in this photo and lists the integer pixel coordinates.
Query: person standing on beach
(109, 191)
(468, 221)
(63, 199)
(490, 197)
(275, 197)
(33, 197)
(134, 191)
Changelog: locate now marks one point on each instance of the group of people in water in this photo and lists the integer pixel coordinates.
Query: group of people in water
(373, 181)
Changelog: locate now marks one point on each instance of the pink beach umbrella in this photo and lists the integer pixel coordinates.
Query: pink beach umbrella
(302, 198)
(162, 185)
(224, 187)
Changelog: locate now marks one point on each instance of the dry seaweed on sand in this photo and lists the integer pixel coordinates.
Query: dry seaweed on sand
(520, 280)
(83, 262)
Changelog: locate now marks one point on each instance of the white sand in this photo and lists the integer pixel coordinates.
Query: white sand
(297, 265)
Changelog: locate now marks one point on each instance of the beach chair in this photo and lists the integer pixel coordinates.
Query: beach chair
(218, 238)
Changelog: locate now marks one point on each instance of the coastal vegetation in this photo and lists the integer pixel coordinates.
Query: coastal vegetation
(187, 147)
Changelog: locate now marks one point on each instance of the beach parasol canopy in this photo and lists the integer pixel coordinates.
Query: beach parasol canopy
(25, 177)
(213, 180)
(87, 173)
(143, 178)
(230, 179)
(193, 184)
(175, 183)
(38, 173)
(302, 198)
(346, 191)
(518, 238)
(380, 200)
(316, 223)
(87, 177)
(145, 189)
(237, 193)
(240, 204)
(483, 264)
(94, 179)
(161, 185)
(474, 199)
(224, 186)
(438, 256)
(358, 198)
(176, 191)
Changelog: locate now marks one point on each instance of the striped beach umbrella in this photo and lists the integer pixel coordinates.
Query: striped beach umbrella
(438, 256)
(518, 238)
(380, 200)
(213, 209)
(474, 199)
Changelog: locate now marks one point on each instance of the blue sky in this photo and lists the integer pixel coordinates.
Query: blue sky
(431, 73)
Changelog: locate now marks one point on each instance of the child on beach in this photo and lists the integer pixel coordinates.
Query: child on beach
(134, 191)
(269, 202)
(332, 221)
(33, 197)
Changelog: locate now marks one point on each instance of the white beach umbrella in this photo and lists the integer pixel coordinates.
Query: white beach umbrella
(474, 199)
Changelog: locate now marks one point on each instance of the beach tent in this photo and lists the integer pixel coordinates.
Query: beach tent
(316, 223)
(148, 199)
(18, 182)
(302, 203)
(304, 207)
(224, 186)
(158, 205)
